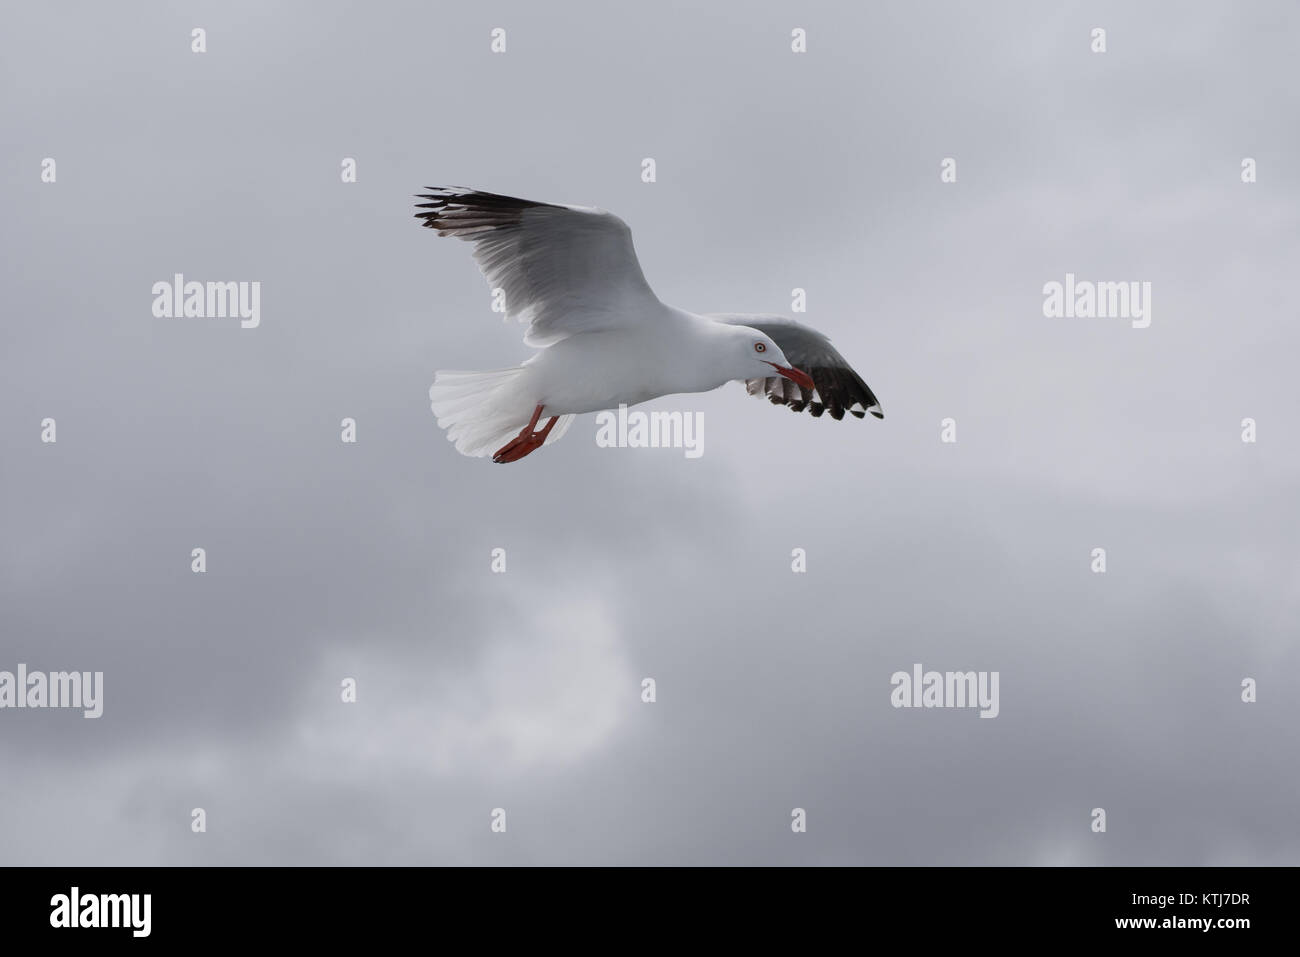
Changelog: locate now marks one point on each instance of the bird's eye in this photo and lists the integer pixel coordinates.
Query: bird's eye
(760, 347)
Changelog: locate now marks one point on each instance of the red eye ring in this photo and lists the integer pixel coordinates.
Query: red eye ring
(760, 347)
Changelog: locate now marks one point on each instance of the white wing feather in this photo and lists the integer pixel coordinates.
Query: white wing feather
(563, 269)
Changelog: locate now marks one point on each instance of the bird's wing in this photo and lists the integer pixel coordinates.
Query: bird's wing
(839, 388)
(563, 269)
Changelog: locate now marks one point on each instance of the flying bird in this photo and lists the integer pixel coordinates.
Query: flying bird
(605, 339)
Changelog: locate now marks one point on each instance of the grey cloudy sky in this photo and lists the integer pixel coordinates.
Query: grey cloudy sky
(522, 690)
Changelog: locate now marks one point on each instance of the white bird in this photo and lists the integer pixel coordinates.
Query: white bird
(606, 340)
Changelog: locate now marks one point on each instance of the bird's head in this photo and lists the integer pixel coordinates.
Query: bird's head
(760, 356)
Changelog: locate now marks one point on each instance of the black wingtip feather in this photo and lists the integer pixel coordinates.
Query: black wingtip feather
(838, 390)
(467, 212)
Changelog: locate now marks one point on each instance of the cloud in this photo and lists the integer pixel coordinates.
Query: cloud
(547, 691)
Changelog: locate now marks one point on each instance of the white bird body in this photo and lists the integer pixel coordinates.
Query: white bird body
(605, 339)
(592, 371)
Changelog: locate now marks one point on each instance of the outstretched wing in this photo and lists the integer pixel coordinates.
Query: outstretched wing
(839, 388)
(563, 269)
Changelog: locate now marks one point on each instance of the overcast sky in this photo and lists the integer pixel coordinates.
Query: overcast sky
(522, 690)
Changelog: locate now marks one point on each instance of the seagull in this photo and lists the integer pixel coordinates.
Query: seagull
(605, 339)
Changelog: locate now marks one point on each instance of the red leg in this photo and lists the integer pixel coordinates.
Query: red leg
(527, 440)
(541, 436)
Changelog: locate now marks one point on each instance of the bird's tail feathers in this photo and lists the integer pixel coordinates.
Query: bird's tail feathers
(482, 411)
